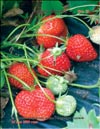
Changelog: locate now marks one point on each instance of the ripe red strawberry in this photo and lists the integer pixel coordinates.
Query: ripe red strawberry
(21, 71)
(35, 104)
(61, 63)
(47, 41)
(55, 27)
(80, 49)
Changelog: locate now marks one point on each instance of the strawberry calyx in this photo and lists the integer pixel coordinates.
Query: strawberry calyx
(70, 76)
(57, 51)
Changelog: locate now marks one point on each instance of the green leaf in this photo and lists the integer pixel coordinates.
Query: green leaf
(87, 5)
(52, 6)
(84, 120)
(2, 82)
(92, 119)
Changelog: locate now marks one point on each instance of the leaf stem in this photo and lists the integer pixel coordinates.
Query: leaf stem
(12, 101)
(15, 30)
(48, 35)
(20, 46)
(36, 79)
(19, 59)
(22, 82)
(72, 16)
(81, 6)
(97, 85)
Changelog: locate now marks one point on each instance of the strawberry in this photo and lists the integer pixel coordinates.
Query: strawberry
(94, 34)
(80, 49)
(57, 84)
(47, 41)
(21, 71)
(55, 27)
(35, 104)
(54, 66)
(66, 105)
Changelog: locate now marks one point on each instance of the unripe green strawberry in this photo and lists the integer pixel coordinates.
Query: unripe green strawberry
(56, 84)
(65, 105)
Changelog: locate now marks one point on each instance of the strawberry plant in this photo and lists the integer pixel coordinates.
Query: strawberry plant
(38, 56)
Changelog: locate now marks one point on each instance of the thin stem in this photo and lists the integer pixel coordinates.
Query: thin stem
(12, 101)
(15, 30)
(43, 68)
(41, 76)
(58, 16)
(82, 22)
(53, 69)
(19, 59)
(97, 85)
(25, 26)
(74, 16)
(33, 61)
(19, 46)
(42, 82)
(48, 35)
(22, 82)
(36, 79)
(4, 56)
(39, 23)
(81, 6)
(26, 31)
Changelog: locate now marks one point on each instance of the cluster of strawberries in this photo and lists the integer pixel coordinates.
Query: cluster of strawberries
(39, 102)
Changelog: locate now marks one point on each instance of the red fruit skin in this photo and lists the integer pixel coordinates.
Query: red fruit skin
(21, 71)
(62, 63)
(46, 41)
(80, 49)
(53, 27)
(49, 28)
(34, 104)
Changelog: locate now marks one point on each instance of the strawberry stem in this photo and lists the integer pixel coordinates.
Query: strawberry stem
(82, 6)
(22, 82)
(36, 79)
(97, 85)
(19, 59)
(41, 76)
(48, 35)
(12, 101)
(19, 46)
(39, 23)
(16, 30)
(75, 17)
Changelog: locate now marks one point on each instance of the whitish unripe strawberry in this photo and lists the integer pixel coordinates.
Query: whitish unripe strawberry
(95, 34)
(56, 84)
(65, 105)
